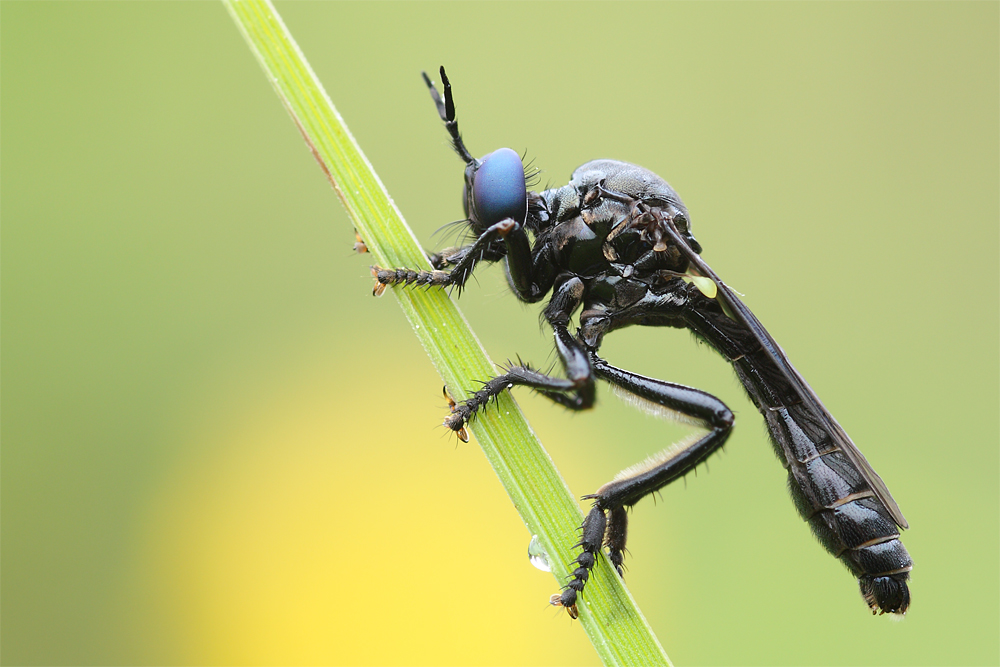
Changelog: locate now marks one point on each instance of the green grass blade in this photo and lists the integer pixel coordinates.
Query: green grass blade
(608, 614)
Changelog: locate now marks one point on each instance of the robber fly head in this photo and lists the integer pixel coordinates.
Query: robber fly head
(495, 187)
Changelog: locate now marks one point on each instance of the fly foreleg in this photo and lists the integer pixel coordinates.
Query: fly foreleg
(483, 249)
(449, 257)
(607, 522)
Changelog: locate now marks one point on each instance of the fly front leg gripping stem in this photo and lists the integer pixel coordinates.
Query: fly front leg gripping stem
(471, 255)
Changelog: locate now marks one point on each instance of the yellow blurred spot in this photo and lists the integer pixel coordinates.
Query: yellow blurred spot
(291, 536)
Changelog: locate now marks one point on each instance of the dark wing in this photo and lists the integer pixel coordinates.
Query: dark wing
(809, 397)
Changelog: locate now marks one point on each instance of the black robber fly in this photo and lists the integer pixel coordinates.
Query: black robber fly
(616, 245)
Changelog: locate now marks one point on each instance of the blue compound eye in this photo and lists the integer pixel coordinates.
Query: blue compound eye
(498, 190)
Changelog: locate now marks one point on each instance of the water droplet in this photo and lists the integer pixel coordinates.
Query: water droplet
(537, 555)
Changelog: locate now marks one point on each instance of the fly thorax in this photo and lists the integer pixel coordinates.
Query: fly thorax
(577, 248)
(562, 203)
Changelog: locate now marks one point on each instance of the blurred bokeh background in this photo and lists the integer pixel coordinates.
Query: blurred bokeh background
(219, 449)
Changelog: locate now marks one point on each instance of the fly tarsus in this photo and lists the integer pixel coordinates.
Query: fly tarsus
(384, 277)
(556, 600)
(462, 413)
(521, 375)
(460, 431)
(615, 537)
(591, 539)
(360, 246)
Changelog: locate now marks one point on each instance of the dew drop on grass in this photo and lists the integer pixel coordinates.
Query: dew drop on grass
(537, 555)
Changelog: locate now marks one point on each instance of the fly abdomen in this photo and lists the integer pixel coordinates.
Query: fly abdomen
(887, 594)
(832, 494)
(825, 482)
(862, 534)
(858, 524)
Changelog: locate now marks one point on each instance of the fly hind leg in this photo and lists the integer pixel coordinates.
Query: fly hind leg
(607, 522)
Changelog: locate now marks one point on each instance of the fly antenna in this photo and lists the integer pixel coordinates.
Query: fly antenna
(446, 109)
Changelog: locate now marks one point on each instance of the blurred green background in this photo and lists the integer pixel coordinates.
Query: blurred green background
(219, 449)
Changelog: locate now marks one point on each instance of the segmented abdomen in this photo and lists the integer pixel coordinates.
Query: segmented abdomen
(829, 491)
(832, 494)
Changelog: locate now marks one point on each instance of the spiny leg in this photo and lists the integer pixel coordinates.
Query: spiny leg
(458, 276)
(452, 256)
(462, 434)
(607, 521)
(575, 391)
